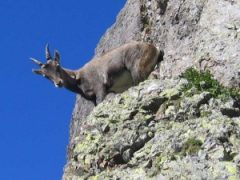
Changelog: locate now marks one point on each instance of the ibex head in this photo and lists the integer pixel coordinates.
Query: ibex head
(52, 69)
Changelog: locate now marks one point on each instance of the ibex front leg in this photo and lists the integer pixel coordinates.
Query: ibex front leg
(101, 94)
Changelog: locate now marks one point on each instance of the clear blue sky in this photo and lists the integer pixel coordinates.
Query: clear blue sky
(34, 115)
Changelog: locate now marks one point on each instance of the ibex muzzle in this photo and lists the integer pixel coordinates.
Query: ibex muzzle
(114, 71)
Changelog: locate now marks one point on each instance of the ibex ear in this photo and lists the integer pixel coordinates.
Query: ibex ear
(57, 56)
(78, 78)
(37, 71)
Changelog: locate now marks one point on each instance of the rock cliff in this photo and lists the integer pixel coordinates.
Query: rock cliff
(159, 129)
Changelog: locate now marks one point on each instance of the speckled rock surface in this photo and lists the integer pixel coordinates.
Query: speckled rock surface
(150, 130)
(154, 130)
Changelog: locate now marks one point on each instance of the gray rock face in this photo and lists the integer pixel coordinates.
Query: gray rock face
(202, 33)
(136, 132)
(154, 131)
(126, 28)
(81, 110)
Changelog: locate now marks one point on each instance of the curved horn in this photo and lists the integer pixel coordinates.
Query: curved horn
(47, 52)
(57, 56)
(37, 62)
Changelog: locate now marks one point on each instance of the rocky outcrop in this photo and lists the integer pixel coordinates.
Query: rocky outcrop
(155, 129)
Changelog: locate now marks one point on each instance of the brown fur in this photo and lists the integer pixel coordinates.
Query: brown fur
(114, 71)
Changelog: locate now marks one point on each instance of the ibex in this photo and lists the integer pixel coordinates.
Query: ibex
(114, 71)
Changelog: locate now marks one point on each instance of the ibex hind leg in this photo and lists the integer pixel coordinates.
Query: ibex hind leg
(136, 76)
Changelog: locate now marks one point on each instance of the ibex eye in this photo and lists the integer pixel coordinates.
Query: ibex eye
(45, 66)
(58, 68)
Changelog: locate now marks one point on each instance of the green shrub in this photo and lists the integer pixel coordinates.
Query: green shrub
(204, 81)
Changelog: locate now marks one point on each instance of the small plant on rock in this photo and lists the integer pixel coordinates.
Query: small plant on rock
(204, 81)
(191, 147)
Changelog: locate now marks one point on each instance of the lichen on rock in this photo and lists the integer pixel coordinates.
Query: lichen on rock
(127, 137)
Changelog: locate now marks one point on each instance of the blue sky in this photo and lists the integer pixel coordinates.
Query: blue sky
(34, 115)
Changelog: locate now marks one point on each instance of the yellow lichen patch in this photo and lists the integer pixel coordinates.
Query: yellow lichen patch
(170, 110)
(234, 140)
(81, 147)
(88, 144)
(87, 160)
(205, 123)
(139, 171)
(232, 169)
(160, 160)
(171, 93)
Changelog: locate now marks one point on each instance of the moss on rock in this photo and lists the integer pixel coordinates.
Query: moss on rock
(191, 147)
